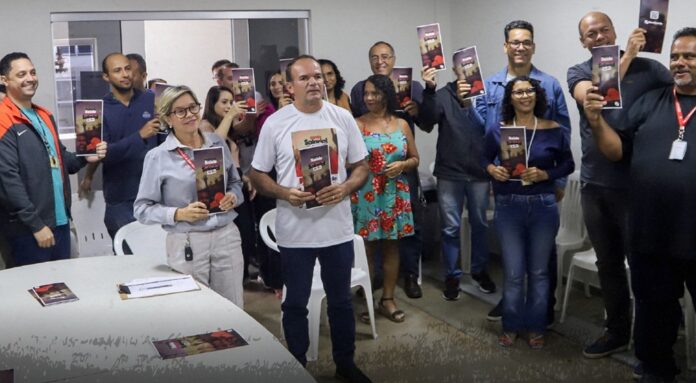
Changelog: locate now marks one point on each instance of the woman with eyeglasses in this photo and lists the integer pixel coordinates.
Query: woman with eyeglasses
(526, 216)
(201, 244)
(382, 212)
(334, 83)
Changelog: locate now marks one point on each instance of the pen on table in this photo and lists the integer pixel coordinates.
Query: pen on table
(158, 287)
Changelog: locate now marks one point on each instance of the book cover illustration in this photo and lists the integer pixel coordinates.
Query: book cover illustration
(466, 64)
(88, 126)
(316, 172)
(283, 67)
(53, 294)
(198, 344)
(243, 87)
(430, 43)
(210, 177)
(306, 139)
(605, 74)
(513, 150)
(653, 18)
(158, 89)
(402, 77)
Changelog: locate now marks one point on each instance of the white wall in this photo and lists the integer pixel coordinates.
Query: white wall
(344, 30)
(182, 51)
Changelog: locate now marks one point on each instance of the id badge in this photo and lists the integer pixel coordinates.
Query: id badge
(53, 160)
(678, 150)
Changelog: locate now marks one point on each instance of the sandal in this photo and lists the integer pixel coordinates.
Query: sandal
(536, 341)
(507, 339)
(397, 316)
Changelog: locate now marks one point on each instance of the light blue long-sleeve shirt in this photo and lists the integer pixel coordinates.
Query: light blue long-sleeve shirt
(168, 183)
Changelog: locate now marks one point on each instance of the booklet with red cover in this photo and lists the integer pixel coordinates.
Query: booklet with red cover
(605, 74)
(198, 344)
(313, 166)
(466, 63)
(653, 18)
(53, 294)
(243, 87)
(430, 43)
(210, 177)
(402, 77)
(513, 150)
(89, 116)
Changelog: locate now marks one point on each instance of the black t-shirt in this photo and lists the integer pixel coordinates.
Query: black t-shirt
(642, 76)
(663, 191)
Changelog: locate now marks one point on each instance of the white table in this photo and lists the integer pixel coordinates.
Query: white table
(101, 338)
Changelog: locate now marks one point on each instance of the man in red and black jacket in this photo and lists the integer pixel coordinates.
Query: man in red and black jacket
(34, 168)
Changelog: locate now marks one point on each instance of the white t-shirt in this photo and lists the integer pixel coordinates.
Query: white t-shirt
(298, 227)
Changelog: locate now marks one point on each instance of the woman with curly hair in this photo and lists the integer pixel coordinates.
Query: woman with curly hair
(334, 83)
(526, 216)
(382, 207)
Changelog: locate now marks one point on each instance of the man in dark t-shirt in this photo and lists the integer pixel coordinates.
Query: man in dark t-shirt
(604, 183)
(661, 204)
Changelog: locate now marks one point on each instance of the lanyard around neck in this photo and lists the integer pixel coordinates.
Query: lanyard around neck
(680, 116)
(531, 140)
(186, 158)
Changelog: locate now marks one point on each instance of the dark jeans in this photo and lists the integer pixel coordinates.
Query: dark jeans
(25, 250)
(247, 230)
(297, 270)
(605, 213)
(410, 247)
(658, 283)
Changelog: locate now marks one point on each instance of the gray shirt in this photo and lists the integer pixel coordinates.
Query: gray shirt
(169, 183)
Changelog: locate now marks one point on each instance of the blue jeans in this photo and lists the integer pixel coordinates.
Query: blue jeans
(26, 251)
(297, 265)
(451, 195)
(117, 215)
(410, 247)
(526, 226)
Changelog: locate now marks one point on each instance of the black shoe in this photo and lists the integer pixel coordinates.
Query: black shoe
(606, 345)
(451, 292)
(638, 371)
(352, 374)
(484, 282)
(497, 313)
(411, 286)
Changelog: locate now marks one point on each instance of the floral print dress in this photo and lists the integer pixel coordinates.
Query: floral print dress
(382, 207)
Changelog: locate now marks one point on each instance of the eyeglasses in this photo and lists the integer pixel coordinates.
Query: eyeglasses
(376, 59)
(182, 112)
(523, 92)
(525, 43)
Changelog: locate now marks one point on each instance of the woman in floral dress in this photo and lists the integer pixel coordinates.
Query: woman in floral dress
(382, 207)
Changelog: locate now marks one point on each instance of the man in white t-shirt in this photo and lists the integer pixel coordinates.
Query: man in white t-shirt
(313, 140)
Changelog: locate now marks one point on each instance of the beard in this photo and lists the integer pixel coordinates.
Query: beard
(122, 89)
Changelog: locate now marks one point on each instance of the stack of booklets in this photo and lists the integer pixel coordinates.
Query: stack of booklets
(149, 287)
(198, 344)
(316, 160)
(53, 294)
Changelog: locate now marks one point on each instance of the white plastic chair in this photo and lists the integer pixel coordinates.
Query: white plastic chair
(88, 217)
(360, 276)
(571, 233)
(143, 240)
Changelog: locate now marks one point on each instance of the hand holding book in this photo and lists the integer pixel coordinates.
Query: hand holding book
(228, 202)
(499, 173)
(195, 211)
(298, 197)
(332, 194)
(533, 174)
(429, 76)
(636, 42)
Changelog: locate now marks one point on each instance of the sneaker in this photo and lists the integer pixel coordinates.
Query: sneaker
(606, 345)
(638, 371)
(352, 374)
(497, 313)
(451, 292)
(411, 287)
(484, 282)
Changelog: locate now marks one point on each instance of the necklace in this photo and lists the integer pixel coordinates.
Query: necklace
(531, 140)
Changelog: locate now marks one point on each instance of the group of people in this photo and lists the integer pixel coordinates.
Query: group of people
(635, 184)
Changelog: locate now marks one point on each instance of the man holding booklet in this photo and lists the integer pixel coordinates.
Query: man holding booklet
(324, 232)
(34, 187)
(661, 206)
(605, 183)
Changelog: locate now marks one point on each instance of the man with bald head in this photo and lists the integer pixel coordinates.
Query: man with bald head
(131, 129)
(604, 183)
